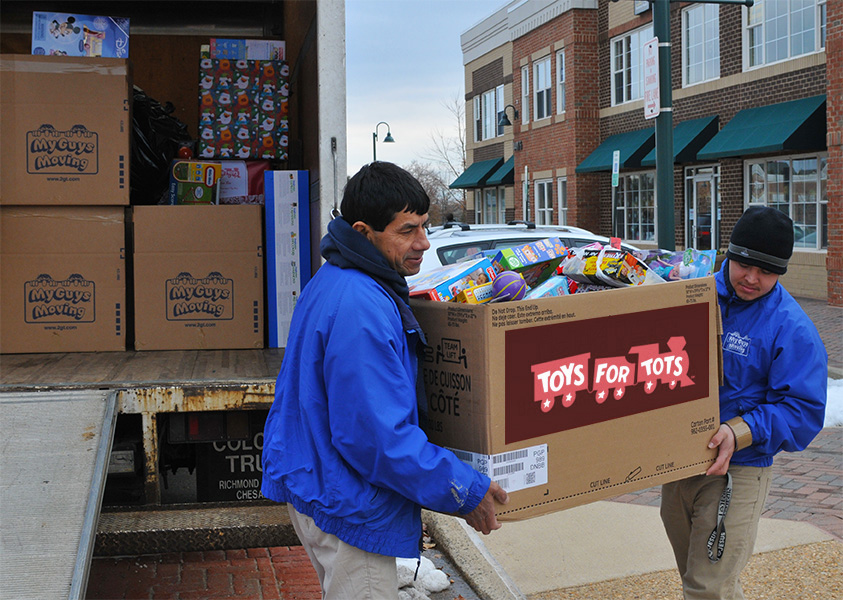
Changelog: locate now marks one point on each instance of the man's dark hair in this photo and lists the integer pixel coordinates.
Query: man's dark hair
(380, 190)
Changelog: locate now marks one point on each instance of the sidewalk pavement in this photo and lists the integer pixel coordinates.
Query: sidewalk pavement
(598, 542)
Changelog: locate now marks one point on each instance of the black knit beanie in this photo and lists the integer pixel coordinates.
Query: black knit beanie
(762, 237)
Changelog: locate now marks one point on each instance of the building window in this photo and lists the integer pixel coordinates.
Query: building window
(797, 186)
(635, 207)
(562, 186)
(777, 30)
(543, 85)
(560, 82)
(490, 208)
(525, 95)
(627, 65)
(487, 111)
(544, 202)
(478, 120)
(701, 43)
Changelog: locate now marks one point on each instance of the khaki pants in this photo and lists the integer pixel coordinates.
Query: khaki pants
(345, 572)
(689, 514)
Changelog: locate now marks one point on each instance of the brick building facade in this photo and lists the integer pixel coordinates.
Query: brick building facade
(564, 72)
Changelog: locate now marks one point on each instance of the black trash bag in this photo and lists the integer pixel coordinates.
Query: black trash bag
(156, 138)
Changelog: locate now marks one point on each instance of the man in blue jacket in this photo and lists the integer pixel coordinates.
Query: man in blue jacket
(342, 443)
(773, 399)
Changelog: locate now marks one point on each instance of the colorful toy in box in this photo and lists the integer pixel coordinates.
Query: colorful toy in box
(508, 286)
(581, 264)
(445, 283)
(479, 294)
(687, 264)
(619, 268)
(194, 182)
(555, 285)
(535, 261)
(63, 34)
(243, 108)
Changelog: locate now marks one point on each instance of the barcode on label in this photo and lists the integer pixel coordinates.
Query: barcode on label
(508, 456)
(508, 469)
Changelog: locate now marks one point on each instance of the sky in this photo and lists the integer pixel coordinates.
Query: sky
(403, 65)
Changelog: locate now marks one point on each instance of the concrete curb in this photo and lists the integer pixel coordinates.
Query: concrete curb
(468, 552)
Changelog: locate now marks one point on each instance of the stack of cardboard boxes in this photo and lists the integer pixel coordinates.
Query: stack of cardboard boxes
(73, 254)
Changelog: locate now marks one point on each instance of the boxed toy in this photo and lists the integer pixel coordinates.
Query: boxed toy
(555, 285)
(198, 277)
(65, 130)
(63, 279)
(477, 294)
(195, 182)
(287, 248)
(568, 400)
(445, 283)
(242, 181)
(535, 261)
(237, 49)
(243, 109)
(63, 34)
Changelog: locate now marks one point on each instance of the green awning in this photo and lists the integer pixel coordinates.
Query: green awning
(476, 174)
(794, 125)
(633, 146)
(688, 138)
(505, 175)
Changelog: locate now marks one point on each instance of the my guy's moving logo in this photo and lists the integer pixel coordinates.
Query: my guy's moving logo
(564, 377)
(69, 301)
(194, 299)
(50, 151)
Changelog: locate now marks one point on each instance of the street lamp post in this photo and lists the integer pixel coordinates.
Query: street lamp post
(388, 139)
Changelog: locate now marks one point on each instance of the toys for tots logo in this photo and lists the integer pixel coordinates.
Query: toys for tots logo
(68, 301)
(563, 378)
(51, 151)
(190, 298)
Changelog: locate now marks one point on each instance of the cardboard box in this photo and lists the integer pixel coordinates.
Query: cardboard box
(568, 400)
(287, 248)
(198, 277)
(62, 282)
(195, 182)
(63, 34)
(65, 129)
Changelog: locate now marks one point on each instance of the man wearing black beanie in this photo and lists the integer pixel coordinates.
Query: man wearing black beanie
(775, 372)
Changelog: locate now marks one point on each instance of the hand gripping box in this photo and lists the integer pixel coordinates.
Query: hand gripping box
(62, 279)
(568, 400)
(66, 128)
(198, 277)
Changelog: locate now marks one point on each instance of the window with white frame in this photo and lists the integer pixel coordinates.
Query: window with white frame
(635, 207)
(487, 110)
(797, 186)
(700, 43)
(543, 84)
(562, 194)
(489, 205)
(777, 30)
(525, 95)
(627, 65)
(560, 82)
(544, 202)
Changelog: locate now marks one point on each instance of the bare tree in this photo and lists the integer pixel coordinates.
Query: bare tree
(447, 151)
(443, 200)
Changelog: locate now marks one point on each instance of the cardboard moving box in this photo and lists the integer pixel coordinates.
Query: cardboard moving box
(198, 277)
(568, 400)
(62, 279)
(65, 129)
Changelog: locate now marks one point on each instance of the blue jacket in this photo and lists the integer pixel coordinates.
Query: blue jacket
(775, 372)
(342, 442)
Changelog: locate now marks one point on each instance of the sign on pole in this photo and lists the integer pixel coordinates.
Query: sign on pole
(652, 102)
(616, 163)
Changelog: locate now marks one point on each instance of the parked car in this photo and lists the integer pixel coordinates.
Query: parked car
(453, 242)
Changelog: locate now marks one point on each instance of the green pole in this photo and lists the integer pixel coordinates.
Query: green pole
(665, 220)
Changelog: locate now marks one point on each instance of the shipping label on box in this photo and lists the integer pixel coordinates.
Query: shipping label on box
(62, 287)
(63, 34)
(65, 131)
(198, 277)
(287, 248)
(608, 393)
